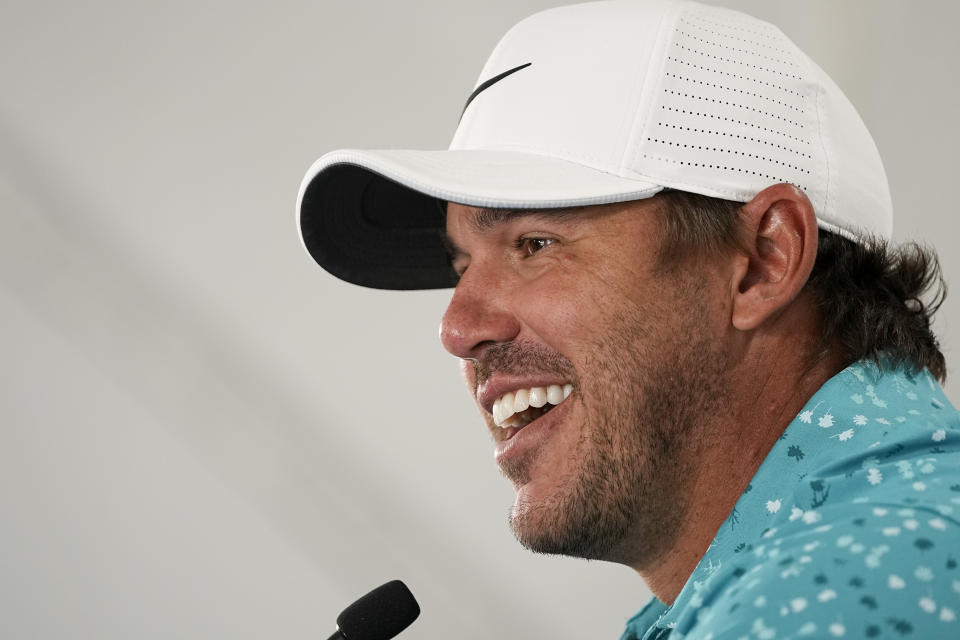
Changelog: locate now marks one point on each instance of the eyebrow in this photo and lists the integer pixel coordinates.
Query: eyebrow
(487, 219)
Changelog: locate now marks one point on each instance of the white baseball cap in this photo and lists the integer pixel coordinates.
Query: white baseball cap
(597, 103)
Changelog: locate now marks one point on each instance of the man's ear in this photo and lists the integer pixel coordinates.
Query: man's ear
(780, 246)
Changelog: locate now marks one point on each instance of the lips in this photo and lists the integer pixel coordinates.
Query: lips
(534, 427)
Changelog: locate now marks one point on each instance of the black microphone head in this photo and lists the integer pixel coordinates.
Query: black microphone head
(379, 615)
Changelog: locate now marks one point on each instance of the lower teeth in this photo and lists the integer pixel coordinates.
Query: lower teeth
(525, 417)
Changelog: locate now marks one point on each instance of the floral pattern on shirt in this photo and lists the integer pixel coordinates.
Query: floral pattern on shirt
(849, 529)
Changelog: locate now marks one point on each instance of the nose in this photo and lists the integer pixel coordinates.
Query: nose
(479, 315)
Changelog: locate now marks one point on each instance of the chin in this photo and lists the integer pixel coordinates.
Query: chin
(557, 524)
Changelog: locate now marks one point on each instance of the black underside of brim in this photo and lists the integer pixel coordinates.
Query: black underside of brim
(369, 230)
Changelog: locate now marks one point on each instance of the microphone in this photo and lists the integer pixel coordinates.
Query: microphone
(379, 615)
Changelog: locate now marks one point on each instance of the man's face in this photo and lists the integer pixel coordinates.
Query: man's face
(616, 358)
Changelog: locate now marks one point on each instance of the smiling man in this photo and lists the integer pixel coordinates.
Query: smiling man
(653, 369)
(677, 307)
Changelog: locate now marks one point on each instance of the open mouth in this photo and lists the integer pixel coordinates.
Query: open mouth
(516, 409)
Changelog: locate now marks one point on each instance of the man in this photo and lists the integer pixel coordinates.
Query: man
(678, 311)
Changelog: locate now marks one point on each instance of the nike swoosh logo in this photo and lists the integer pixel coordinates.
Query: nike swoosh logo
(486, 84)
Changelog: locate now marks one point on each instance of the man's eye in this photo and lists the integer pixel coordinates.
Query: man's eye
(530, 246)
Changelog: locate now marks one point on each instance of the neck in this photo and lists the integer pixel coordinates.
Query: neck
(770, 386)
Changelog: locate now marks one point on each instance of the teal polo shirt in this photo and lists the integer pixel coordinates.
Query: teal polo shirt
(849, 529)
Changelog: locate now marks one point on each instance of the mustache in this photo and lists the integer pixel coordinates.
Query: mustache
(515, 358)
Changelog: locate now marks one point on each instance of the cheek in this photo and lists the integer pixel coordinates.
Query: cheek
(561, 320)
(567, 307)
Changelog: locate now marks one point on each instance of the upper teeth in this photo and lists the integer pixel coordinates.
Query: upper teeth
(514, 402)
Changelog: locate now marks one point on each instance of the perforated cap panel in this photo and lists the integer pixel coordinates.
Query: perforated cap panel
(735, 111)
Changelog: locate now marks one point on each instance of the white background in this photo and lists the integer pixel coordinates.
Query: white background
(206, 436)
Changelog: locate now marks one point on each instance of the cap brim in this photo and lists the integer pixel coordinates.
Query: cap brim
(376, 218)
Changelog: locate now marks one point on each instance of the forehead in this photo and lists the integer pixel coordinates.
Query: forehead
(466, 219)
(482, 219)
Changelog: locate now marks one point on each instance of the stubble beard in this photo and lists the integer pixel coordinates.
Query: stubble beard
(626, 496)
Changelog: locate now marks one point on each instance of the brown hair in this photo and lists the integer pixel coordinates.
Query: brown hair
(870, 296)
